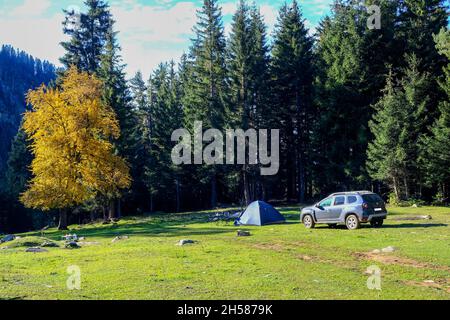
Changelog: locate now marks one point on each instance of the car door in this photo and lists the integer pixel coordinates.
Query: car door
(322, 210)
(337, 207)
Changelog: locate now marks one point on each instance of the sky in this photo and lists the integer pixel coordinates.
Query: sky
(150, 31)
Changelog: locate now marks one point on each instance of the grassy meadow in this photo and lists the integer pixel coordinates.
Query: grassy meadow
(275, 262)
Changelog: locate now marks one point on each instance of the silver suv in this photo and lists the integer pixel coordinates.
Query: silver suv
(349, 208)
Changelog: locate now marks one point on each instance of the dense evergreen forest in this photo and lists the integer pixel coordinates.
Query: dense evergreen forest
(357, 107)
(19, 72)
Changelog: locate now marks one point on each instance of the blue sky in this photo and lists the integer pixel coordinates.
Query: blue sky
(151, 31)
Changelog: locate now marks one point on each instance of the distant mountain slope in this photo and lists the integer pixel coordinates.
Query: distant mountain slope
(19, 72)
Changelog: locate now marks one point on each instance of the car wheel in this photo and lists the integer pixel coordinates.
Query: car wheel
(377, 223)
(352, 222)
(308, 221)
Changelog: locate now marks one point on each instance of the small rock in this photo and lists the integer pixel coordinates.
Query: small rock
(376, 251)
(241, 233)
(36, 250)
(428, 217)
(70, 237)
(388, 249)
(119, 238)
(185, 242)
(8, 238)
(49, 244)
(72, 245)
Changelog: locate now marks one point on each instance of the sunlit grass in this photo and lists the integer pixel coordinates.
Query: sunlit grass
(276, 262)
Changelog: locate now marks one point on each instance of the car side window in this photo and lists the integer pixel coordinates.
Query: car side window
(326, 203)
(339, 201)
(351, 199)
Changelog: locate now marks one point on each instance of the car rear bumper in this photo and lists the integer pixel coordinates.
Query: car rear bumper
(375, 216)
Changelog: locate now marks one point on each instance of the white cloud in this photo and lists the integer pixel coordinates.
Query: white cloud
(31, 8)
(151, 34)
(34, 34)
(270, 14)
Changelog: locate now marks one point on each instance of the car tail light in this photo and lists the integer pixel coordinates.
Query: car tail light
(365, 206)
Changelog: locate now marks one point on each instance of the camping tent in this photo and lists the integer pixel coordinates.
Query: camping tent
(260, 213)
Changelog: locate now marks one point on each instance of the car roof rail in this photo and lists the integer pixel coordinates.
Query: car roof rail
(350, 193)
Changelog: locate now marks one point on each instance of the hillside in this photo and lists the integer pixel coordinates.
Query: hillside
(19, 72)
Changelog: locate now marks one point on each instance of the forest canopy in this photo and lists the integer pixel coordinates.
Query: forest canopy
(357, 107)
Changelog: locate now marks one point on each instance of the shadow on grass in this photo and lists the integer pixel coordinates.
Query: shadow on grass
(389, 226)
(413, 225)
(163, 225)
(295, 217)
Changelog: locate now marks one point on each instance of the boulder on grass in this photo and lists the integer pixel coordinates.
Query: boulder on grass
(242, 233)
(185, 242)
(388, 249)
(119, 238)
(72, 245)
(8, 238)
(70, 237)
(49, 244)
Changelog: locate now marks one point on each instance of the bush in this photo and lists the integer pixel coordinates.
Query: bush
(393, 201)
(438, 199)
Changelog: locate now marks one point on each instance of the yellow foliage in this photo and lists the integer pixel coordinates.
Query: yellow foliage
(71, 132)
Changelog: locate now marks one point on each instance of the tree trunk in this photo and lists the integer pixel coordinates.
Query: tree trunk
(152, 208)
(405, 181)
(396, 191)
(177, 184)
(264, 191)
(104, 213)
(62, 220)
(301, 181)
(112, 210)
(246, 186)
(119, 209)
(214, 191)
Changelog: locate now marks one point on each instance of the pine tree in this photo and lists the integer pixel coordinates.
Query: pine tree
(292, 77)
(248, 67)
(116, 94)
(350, 76)
(435, 155)
(88, 36)
(418, 21)
(206, 96)
(141, 132)
(161, 177)
(393, 155)
(19, 161)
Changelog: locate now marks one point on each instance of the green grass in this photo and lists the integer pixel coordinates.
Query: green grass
(276, 262)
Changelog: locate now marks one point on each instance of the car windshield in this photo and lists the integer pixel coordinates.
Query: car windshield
(372, 198)
(326, 202)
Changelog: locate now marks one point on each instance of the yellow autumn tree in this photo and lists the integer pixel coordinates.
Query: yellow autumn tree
(71, 130)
